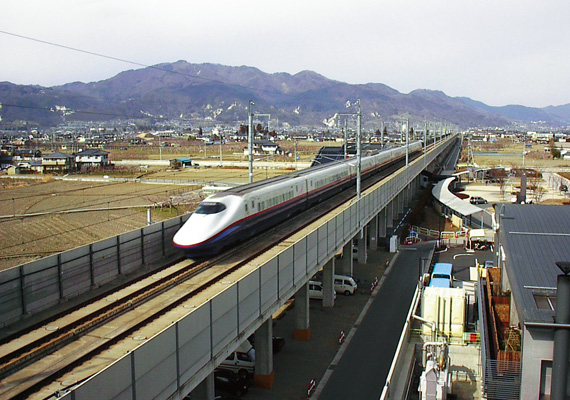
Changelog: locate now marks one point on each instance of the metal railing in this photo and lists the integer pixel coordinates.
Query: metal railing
(501, 379)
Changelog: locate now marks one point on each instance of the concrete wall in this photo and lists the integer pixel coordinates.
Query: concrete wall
(537, 346)
(39, 285)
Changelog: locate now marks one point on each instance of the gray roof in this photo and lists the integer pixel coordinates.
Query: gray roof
(533, 237)
(58, 155)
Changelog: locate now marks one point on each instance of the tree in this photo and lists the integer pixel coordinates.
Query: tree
(385, 131)
(553, 150)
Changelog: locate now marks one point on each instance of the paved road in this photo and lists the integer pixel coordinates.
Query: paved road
(362, 370)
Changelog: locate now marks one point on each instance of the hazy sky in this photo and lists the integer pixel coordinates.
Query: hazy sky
(496, 51)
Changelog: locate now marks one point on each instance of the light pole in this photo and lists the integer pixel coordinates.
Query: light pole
(221, 156)
(358, 149)
(358, 140)
(407, 139)
(250, 140)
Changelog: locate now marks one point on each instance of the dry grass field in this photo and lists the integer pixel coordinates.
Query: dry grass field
(25, 236)
(34, 213)
(509, 154)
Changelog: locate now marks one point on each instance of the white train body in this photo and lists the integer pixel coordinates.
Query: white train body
(239, 213)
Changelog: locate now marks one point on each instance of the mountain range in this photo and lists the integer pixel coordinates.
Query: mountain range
(182, 90)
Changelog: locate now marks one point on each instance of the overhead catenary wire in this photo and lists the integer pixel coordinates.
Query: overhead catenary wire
(155, 67)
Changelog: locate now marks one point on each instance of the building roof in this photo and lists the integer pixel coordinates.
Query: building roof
(441, 192)
(59, 155)
(92, 152)
(532, 238)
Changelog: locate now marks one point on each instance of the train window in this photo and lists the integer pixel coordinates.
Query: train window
(209, 208)
(246, 208)
(252, 204)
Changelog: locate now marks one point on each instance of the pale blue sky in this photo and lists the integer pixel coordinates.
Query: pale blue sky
(496, 51)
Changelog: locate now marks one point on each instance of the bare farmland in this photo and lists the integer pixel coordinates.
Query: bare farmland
(35, 220)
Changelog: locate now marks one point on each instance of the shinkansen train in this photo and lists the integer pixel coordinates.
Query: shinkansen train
(236, 214)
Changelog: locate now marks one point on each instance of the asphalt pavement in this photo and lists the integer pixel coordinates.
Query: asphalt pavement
(364, 366)
(356, 369)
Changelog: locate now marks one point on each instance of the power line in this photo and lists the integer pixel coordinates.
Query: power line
(139, 64)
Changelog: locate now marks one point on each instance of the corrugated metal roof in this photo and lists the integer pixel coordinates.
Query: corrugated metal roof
(442, 193)
(533, 237)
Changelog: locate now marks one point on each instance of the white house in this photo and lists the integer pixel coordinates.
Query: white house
(92, 158)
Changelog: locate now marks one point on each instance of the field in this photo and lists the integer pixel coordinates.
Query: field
(34, 213)
(509, 154)
(196, 150)
(26, 236)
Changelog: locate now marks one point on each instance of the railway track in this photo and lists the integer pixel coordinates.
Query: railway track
(74, 338)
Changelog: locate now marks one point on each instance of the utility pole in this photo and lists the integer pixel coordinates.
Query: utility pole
(345, 139)
(407, 139)
(382, 134)
(358, 150)
(221, 157)
(250, 140)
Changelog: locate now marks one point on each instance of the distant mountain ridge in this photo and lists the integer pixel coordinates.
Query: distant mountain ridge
(222, 93)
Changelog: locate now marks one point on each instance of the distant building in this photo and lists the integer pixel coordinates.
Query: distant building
(58, 163)
(181, 163)
(530, 239)
(265, 147)
(92, 158)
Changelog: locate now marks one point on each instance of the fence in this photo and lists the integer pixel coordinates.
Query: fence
(501, 379)
(41, 284)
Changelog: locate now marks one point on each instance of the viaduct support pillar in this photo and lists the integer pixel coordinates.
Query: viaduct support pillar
(390, 214)
(328, 283)
(362, 246)
(373, 233)
(264, 375)
(382, 217)
(346, 266)
(302, 330)
(205, 390)
(400, 203)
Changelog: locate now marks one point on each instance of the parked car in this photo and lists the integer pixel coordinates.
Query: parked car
(278, 343)
(242, 361)
(230, 382)
(477, 200)
(316, 290)
(345, 285)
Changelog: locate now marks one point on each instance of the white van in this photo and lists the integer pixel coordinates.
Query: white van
(345, 285)
(316, 290)
(242, 361)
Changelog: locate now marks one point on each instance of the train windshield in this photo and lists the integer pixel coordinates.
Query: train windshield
(209, 208)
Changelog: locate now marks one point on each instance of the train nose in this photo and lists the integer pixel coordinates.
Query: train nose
(195, 231)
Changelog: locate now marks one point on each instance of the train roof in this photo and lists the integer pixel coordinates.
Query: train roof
(250, 187)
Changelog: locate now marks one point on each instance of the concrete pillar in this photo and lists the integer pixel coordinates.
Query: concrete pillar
(382, 223)
(400, 204)
(373, 233)
(328, 283)
(302, 330)
(390, 214)
(264, 374)
(346, 266)
(205, 390)
(362, 246)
